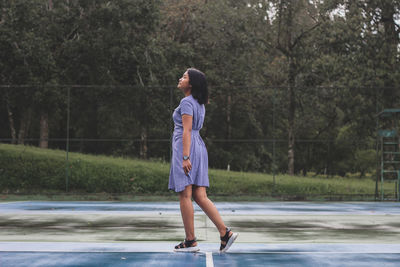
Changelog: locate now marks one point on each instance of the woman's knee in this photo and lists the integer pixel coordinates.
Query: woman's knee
(186, 193)
(199, 194)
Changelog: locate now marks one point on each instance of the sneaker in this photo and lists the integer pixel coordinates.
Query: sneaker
(187, 246)
(228, 239)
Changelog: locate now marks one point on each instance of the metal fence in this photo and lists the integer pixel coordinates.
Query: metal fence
(245, 129)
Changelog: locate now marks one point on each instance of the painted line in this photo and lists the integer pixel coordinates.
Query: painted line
(13, 202)
(209, 259)
(313, 252)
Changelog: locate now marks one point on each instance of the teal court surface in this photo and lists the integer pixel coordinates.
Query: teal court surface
(36, 233)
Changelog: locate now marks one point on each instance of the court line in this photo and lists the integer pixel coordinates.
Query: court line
(14, 202)
(312, 252)
(209, 259)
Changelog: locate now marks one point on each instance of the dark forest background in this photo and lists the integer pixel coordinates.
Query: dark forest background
(294, 85)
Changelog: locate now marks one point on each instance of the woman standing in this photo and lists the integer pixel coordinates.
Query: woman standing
(189, 163)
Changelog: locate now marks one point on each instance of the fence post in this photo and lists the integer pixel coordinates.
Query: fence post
(273, 137)
(171, 123)
(67, 145)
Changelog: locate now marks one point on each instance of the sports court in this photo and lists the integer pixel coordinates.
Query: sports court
(262, 101)
(38, 233)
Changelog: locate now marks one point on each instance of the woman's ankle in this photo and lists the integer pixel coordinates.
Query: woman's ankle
(222, 232)
(190, 239)
(191, 242)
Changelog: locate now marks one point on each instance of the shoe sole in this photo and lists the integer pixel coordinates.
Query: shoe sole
(190, 249)
(230, 242)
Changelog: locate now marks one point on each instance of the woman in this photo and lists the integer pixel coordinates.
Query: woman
(189, 163)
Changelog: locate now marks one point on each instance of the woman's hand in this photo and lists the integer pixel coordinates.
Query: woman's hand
(187, 166)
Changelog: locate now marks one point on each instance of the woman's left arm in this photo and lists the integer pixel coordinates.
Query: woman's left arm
(187, 121)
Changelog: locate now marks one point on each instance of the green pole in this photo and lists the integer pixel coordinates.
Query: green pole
(273, 137)
(382, 170)
(67, 148)
(376, 145)
(398, 185)
(171, 123)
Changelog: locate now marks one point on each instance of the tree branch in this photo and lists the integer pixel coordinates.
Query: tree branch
(298, 38)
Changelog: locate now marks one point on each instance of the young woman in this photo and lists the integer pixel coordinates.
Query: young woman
(189, 163)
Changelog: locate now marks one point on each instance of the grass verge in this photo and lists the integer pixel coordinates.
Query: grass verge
(31, 173)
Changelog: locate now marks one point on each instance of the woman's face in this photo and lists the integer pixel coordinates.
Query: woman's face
(184, 82)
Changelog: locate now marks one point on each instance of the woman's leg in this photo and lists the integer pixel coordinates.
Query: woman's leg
(200, 196)
(185, 199)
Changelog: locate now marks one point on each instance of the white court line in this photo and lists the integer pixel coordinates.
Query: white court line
(13, 202)
(313, 252)
(209, 259)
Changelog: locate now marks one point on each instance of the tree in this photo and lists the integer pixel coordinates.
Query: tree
(295, 20)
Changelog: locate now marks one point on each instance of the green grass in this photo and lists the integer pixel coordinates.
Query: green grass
(34, 173)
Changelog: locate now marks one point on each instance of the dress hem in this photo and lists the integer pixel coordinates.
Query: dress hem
(177, 190)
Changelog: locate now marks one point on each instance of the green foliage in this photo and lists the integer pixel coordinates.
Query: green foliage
(365, 161)
(340, 57)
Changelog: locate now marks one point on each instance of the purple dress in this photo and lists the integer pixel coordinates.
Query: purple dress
(198, 175)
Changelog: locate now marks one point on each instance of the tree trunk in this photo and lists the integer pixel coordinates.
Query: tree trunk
(143, 143)
(24, 125)
(50, 3)
(228, 145)
(291, 119)
(228, 116)
(390, 49)
(391, 36)
(307, 162)
(291, 75)
(11, 121)
(44, 130)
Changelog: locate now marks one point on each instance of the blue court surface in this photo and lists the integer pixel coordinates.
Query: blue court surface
(159, 254)
(337, 234)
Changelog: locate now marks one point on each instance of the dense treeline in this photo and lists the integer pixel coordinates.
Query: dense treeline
(309, 74)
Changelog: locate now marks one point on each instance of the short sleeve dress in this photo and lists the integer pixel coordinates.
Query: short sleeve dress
(198, 175)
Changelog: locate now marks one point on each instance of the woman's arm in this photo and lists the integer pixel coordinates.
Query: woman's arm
(186, 139)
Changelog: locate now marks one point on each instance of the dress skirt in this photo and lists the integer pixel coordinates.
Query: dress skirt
(198, 175)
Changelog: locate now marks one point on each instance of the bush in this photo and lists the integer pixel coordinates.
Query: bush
(31, 169)
(35, 169)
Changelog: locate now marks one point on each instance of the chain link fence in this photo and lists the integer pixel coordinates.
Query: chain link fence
(245, 129)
